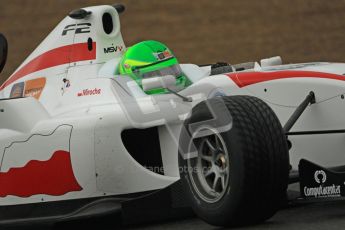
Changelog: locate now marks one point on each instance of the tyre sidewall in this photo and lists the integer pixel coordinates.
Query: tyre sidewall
(232, 197)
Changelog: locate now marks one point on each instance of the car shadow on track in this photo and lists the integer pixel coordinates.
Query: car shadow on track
(322, 215)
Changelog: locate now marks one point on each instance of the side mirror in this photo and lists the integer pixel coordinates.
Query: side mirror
(3, 51)
(167, 82)
(158, 82)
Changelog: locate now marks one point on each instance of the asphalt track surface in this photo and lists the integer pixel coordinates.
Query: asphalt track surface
(326, 215)
(322, 215)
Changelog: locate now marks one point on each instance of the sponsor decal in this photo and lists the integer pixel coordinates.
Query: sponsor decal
(163, 55)
(80, 28)
(113, 49)
(34, 87)
(30, 88)
(320, 177)
(327, 191)
(319, 182)
(17, 90)
(89, 92)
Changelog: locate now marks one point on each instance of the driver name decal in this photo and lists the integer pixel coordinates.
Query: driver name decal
(89, 92)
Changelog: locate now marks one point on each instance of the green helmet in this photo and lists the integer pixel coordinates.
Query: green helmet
(151, 59)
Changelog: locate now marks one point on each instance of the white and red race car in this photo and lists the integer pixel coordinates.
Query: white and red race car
(79, 141)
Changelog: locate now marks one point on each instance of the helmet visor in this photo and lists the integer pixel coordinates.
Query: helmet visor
(174, 70)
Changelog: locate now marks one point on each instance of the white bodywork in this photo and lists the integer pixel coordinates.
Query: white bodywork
(86, 114)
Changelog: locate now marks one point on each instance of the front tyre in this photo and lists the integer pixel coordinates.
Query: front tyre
(239, 176)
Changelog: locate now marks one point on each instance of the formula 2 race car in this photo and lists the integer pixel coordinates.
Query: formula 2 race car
(79, 141)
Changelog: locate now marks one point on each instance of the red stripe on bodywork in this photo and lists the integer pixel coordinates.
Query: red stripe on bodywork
(249, 78)
(58, 56)
(53, 177)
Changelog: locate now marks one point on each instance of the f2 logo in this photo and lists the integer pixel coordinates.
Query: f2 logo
(80, 28)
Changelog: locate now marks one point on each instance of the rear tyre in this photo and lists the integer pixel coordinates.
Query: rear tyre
(239, 176)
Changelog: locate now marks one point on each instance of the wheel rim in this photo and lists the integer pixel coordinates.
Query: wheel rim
(209, 171)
